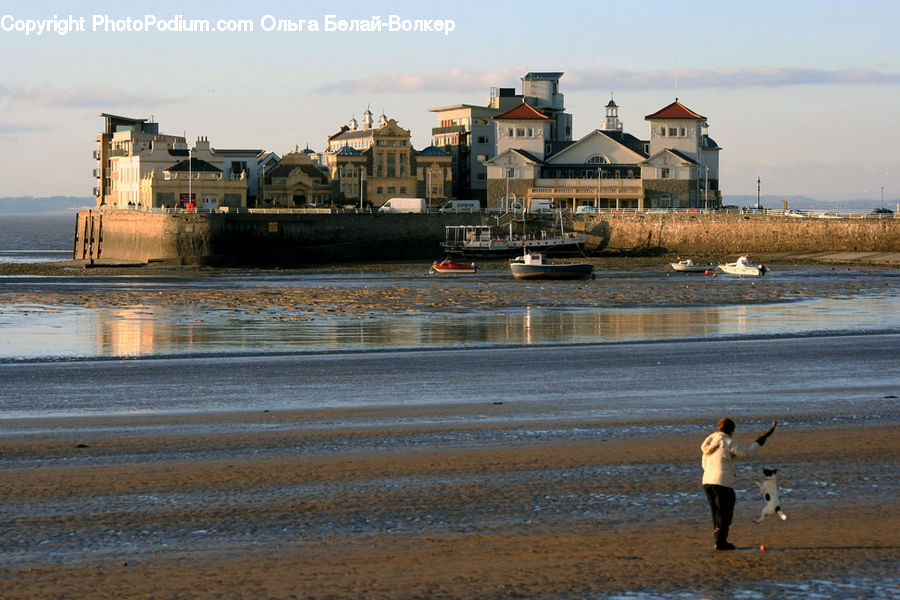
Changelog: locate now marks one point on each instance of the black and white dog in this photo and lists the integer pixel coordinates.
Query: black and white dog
(769, 489)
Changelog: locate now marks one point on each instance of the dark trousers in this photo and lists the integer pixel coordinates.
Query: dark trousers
(721, 504)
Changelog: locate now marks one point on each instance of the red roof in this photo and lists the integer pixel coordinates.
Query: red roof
(522, 112)
(676, 110)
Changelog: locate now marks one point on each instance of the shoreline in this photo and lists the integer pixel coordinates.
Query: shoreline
(82, 268)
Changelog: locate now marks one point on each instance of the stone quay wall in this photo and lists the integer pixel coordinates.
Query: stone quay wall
(114, 235)
(704, 234)
(286, 238)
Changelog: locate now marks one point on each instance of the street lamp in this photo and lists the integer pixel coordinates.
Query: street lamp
(758, 205)
(706, 190)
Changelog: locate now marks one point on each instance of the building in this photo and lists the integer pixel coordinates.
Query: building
(683, 167)
(468, 134)
(142, 168)
(118, 173)
(296, 181)
(193, 182)
(607, 168)
(369, 165)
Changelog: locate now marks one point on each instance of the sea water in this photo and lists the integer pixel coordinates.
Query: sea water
(36, 238)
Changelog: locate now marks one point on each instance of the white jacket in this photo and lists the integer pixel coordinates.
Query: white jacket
(719, 452)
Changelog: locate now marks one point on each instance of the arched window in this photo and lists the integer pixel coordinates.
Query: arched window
(596, 159)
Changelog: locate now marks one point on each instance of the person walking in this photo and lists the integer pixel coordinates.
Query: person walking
(719, 452)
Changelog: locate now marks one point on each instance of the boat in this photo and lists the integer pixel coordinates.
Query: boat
(531, 265)
(480, 240)
(741, 267)
(448, 266)
(689, 266)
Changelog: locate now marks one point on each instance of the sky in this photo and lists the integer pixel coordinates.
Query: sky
(803, 95)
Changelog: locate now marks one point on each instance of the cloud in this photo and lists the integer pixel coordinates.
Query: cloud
(613, 79)
(6, 129)
(10, 132)
(29, 96)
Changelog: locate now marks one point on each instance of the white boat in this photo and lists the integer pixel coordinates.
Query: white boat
(689, 266)
(531, 265)
(743, 268)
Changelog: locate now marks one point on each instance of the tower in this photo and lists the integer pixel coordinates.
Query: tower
(612, 116)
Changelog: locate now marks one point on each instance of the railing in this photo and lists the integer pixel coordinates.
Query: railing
(500, 214)
(448, 129)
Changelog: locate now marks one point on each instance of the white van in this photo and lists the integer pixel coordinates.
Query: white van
(461, 206)
(404, 205)
(539, 205)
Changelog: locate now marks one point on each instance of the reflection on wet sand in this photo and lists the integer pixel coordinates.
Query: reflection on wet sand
(148, 331)
(145, 331)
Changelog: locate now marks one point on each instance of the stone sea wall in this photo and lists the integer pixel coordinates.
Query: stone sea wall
(703, 234)
(259, 238)
(278, 238)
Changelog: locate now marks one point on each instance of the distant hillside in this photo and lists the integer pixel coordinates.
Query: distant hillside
(805, 202)
(54, 204)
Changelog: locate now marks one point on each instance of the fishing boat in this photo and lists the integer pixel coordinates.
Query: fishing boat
(448, 266)
(742, 267)
(689, 266)
(531, 265)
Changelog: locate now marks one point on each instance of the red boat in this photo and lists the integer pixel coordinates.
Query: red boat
(448, 266)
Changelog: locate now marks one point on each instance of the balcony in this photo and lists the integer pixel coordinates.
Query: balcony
(96, 155)
(571, 188)
(449, 129)
(96, 173)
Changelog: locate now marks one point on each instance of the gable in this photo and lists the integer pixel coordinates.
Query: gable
(676, 110)
(669, 158)
(594, 144)
(391, 129)
(522, 112)
(513, 158)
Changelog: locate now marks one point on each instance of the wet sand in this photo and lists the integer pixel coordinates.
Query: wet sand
(158, 515)
(407, 289)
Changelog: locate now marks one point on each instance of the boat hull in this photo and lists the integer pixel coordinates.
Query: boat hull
(743, 270)
(563, 271)
(684, 267)
(454, 268)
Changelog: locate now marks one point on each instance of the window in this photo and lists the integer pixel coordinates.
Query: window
(483, 139)
(530, 132)
(683, 132)
(596, 160)
(403, 189)
(391, 165)
(391, 189)
(480, 176)
(673, 131)
(520, 132)
(664, 173)
(481, 158)
(510, 172)
(509, 131)
(380, 190)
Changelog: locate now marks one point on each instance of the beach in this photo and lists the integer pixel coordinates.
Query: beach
(489, 487)
(557, 519)
(378, 433)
